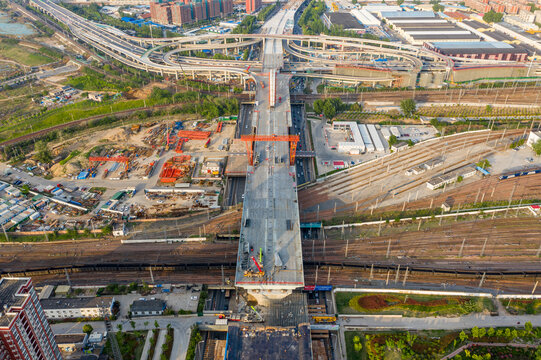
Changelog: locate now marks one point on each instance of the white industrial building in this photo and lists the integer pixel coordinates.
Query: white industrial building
(83, 307)
(365, 17)
(365, 138)
(356, 146)
(534, 137)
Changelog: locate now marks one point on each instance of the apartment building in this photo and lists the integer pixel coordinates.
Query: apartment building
(24, 330)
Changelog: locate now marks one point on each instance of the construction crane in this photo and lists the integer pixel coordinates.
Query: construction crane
(250, 139)
(119, 159)
(260, 272)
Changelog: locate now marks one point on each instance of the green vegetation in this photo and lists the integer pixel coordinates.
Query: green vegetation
(484, 164)
(91, 12)
(246, 26)
(435, 344)
(106, 78)
(522, 306)
(116, 289)
(167, 346)
(536, 146)
(266, 12)
(410, 305)
(202, 298)
(311, 23)
(153, 340)
(397, 215)
(130, 343)
(73, 154)
(332, 106)
(87, 329)
(195, 84)
(408, 107)
(207, 106)
(43, 154)
(10, 49)
(195, 338)
(493, 17)
(517, 143)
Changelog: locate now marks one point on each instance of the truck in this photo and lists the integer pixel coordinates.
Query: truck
(207, 144)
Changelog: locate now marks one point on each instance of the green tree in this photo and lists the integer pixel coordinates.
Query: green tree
(87, 329)
(536, 146)
(475, 332)
(488, 109)
(491, 331)
(408, 106)
(482, 332)
(132, 323)
(318, 106)
(392, 140)
(507, 333)
(119, 327)
(459, 180)
(156, 325)
(528, 327)
(43, 154)
(399, 2)
(329, 110)
(514, 334)
(492, 17)
(438, 7)
(463, 336)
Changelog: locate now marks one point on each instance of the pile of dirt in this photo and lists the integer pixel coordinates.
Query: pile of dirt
(73, 167)
(118, 135)
(144, 92)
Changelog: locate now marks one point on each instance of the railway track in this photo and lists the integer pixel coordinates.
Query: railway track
(354, 181)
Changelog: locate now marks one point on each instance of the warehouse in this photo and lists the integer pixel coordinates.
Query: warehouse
(450, 177)
(365, 17)
(418, 27)
(356, 146)
(366, 138)
(345, 20)
(488, 50)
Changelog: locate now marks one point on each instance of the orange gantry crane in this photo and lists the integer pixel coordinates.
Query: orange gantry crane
(250, 139)
(119, 159)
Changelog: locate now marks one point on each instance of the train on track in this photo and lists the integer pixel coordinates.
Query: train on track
(514, 174)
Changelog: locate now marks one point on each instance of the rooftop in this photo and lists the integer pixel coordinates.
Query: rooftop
(77, 303)
(476, 45)
(11, 295)
(148, 305)
(69, 338)
(344, 19)
(407, 14)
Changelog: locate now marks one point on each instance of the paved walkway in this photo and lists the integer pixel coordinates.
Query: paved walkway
(467, 346)
(437, 323)
(159, 343)
(146, 348)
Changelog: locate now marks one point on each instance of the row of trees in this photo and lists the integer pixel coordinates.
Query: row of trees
(246, 26)
(266, 12)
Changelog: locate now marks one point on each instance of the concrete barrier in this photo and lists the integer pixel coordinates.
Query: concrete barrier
(413, 292)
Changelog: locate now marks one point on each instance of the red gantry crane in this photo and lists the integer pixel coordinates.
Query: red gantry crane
(250, 139)
(119, 159)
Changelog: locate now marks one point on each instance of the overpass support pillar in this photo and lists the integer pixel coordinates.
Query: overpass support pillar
(176, 75)
(193, 75)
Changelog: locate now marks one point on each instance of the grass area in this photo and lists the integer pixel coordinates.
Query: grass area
(62, 115)
(522, 306)
(130, 343)
(167, 346)
(73, 154)
(22, 55)
(195, 338)
(153, 340)
(435, 344)
(410, 305)
(474, 111)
